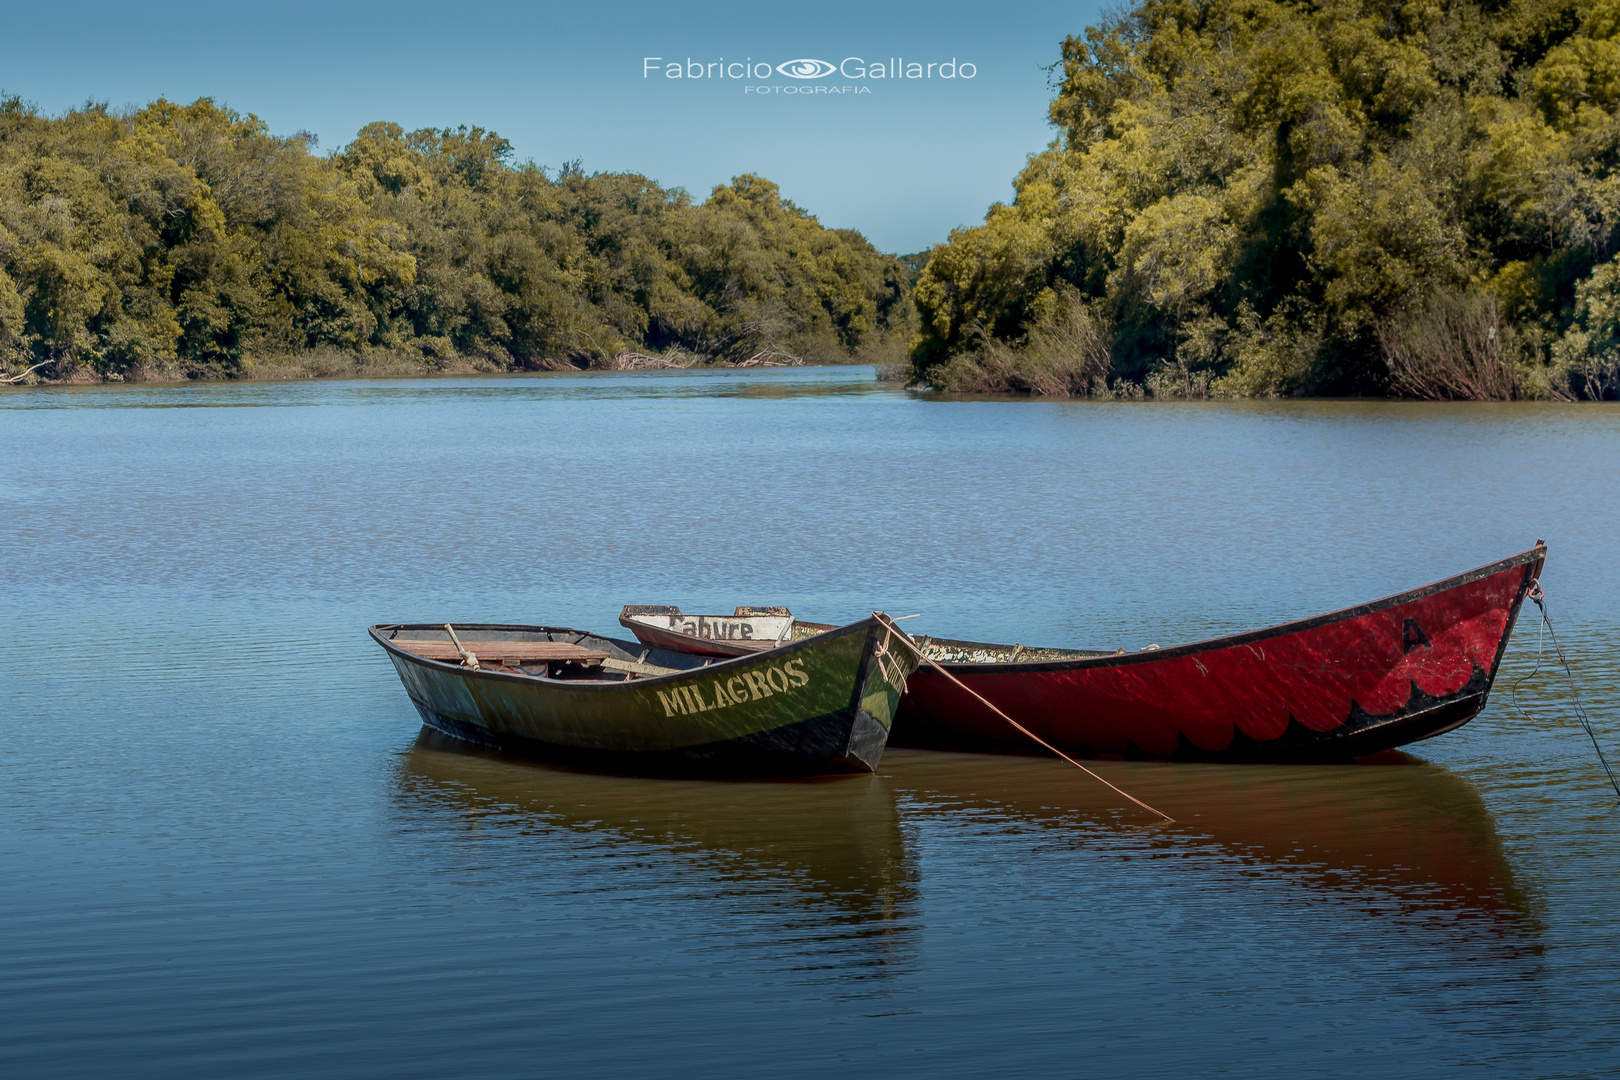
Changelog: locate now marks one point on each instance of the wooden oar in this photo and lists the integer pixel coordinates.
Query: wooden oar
(636, 667)
(468, 660)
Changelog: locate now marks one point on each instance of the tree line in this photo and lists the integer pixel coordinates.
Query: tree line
(187, 241)
(1276, 197)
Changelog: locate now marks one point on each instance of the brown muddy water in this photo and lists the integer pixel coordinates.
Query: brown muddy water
(227, 852)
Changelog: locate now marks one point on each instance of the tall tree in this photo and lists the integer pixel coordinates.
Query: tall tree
(1270, 191)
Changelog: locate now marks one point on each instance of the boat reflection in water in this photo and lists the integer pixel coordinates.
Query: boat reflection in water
(818, 873)
(822, 859)
(1395, 831)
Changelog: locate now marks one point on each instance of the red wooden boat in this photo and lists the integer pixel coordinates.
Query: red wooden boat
(1338, 686)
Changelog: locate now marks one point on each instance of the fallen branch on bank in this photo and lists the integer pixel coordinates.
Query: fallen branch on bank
(23, 375)
(771, 358)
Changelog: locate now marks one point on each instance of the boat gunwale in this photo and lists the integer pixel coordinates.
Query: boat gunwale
(1524, 558)
(866, 625)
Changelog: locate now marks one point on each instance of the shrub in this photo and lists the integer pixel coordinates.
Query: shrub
(1454, 348)
(1066, 354)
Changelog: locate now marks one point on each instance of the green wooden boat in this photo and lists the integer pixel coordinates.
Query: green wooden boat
(822, 705)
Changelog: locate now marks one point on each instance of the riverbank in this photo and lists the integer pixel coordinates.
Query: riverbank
(330, 363)
(189, 241)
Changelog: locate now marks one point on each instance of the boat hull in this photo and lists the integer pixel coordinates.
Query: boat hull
(660, 638)
(665, 627)
(1339, 686)
(823, 706)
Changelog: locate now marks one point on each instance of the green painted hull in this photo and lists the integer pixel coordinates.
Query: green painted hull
(823, 705)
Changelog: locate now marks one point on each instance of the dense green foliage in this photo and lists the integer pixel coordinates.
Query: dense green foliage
(1311, 196)
(189, 241)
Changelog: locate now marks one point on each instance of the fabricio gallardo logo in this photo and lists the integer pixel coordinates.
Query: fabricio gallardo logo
(807, 75)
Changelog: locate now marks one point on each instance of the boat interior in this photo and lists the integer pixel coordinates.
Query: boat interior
(947, 651)
(540, 651)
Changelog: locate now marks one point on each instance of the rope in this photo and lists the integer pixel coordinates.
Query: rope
(1539, 598)
(925, 658)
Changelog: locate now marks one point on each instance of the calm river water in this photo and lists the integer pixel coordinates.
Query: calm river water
(227, 853)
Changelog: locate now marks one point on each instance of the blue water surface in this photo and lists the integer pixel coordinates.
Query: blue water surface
(227, 852)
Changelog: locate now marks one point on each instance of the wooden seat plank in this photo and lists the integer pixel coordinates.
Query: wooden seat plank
(520, 651)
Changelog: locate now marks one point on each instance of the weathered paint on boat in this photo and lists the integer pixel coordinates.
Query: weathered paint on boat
(821, 705)
(1337, 686)
(747, 630)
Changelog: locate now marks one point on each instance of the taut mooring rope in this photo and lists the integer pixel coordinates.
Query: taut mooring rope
(925, 658)
(1539, 597)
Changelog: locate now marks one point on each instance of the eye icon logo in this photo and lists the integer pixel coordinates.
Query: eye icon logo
(806, 69)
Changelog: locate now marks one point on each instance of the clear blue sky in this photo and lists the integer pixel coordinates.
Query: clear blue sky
(904, 163)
